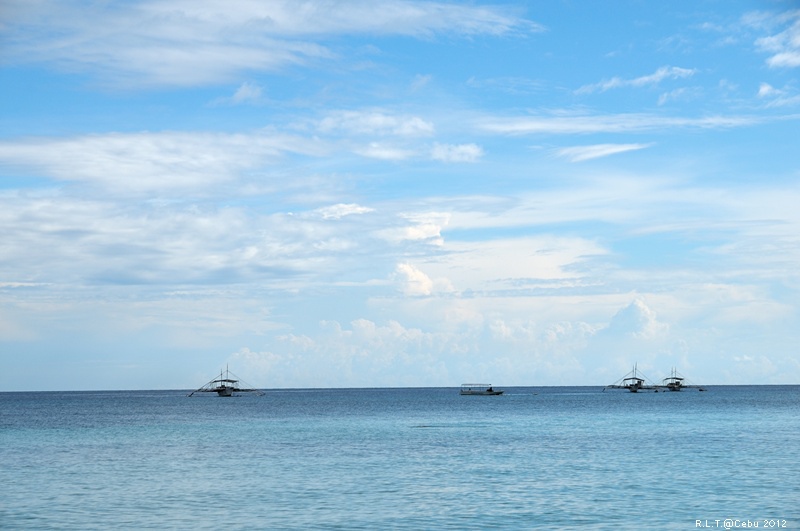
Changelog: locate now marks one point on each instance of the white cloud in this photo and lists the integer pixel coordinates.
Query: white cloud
(679, 94)
(637, 320)
(784, 47)
(414, 281)
(567, 124)
(141, 162)
(514, 264)
(424, 226)
(381, 151)
(247, 93)
(456, 153)
(777, 97)
(665, 72)
(180, 42)
(59, 243)
(581, 153)
(343, 209)
(766, 90)
(375, 123)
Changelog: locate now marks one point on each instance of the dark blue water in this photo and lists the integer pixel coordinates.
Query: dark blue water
(544, 458)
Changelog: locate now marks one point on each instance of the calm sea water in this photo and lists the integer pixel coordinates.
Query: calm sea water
(543, 458)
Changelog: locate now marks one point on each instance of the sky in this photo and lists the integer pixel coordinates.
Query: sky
(398, 193)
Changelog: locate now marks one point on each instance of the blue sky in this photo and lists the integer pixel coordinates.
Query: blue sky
(400, 193)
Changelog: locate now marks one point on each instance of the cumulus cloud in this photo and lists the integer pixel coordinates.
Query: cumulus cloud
(513, 265)
(637, 320)
(581, 153)
(414, 282)
(181, 42)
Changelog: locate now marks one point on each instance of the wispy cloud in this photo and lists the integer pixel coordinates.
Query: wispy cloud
(417, 227)
(456, 153)
(177, 42)
(665, 72)
(510, 85)
(608, 123)
(581, 153)
(141, 162)
(775, 97)
(783, 47)
(384, 151)
(341, 210)
(375, 123)
(246, 94)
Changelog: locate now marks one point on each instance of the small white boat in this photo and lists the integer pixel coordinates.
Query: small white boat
(479, 389)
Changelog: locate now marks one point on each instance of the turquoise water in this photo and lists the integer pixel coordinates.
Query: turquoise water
(543, 458)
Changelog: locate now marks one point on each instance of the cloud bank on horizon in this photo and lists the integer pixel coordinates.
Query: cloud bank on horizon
(408, 193)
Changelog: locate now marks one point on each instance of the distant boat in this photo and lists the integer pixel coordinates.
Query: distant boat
(226, 385)
(676, 382)
(479, 389)
(673, 382)
(633, 382)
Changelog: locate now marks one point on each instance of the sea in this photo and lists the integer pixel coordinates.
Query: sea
(429, 458)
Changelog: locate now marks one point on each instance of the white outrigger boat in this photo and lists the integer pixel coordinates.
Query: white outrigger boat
(479, 389)
(633, 382)
(676, 382)
(225, 386)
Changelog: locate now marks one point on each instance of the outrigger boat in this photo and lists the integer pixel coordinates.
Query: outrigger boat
(676, 382)
(673, 382)
(633, 382)
(225, 386)
(479, 389)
